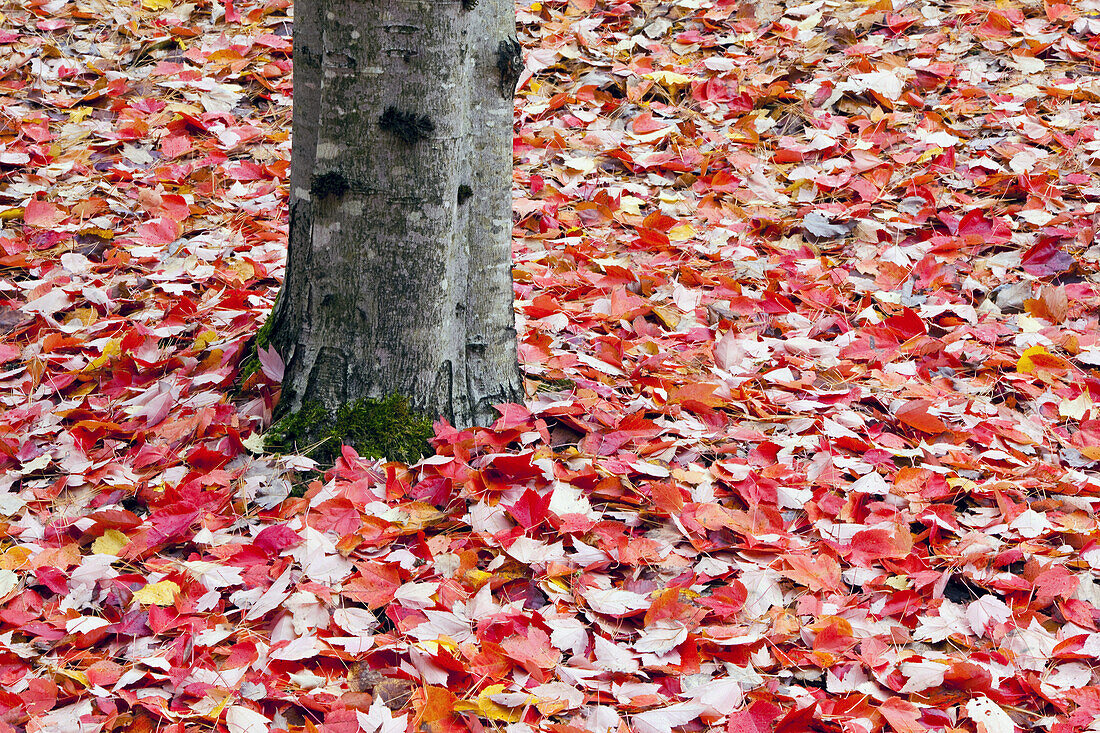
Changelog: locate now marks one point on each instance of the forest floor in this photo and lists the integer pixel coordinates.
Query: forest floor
(808, 298)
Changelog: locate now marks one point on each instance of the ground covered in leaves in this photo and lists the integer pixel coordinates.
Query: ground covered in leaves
(809, 304)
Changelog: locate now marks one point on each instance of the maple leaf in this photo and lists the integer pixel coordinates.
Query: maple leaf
(789, 365)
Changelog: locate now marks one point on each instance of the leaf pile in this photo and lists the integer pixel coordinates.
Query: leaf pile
(809, 311)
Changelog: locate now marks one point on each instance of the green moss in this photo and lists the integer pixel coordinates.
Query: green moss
(556, 385)
(386, 429)
(251, 363)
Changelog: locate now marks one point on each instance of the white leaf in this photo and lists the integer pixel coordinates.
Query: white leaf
(663, 720)
(303, 647)
(722, 695)
(922, 675)
(989, 716)
(612, 657)
(307, 680)
(871, 483)
(357, 621)
(662, 637)
(819, 225)
(239, 719)
(379, 719)
(1031, 524)
(568, 499)
(985, 611)
(615, 602)
(530, 551)
(1073, 675)
(416, 595)
(951, 620)
(271, 599)
(85, 624)
(885, 83)
(559, 692)
(319, 558)
(8, 581)
(76, 264)
(48, 304)
(1033, 646)
(443, 623)
(1025, 160)
(213, 575)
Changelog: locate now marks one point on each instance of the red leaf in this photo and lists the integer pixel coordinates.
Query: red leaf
(276, 538)
(157, 231)
(530, 509)
(915, 415)
(902, 715)
(1046, 258)
(43, 214)
(757, 718)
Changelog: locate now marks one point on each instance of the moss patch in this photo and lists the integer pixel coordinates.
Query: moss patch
(555, 385)
(386, 429)
(251, 363)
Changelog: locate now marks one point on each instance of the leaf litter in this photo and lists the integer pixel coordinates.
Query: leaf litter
(808, 308)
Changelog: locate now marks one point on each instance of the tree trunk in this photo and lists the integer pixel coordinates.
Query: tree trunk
(398, 276)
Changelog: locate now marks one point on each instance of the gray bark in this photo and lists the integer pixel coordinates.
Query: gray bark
(399, 262)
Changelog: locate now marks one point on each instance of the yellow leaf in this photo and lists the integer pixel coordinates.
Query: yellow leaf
(1029, 324)
(631, 205)
(111, 348)
(681, 233)
(73, 674)
(478, 577)
(110, 542)
(216, 711)
(898, 582)
(241, 270)
(97, 232)
(927, 155)
(156, 4)
(1076, 408)
(668, 78)
(670, 319)
(1025, 365)
(160, 594)
(9, 214)
(205, 338)
(15, 557)
(494, 711)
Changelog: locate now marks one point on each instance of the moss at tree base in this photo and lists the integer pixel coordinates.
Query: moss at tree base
(251, 363)
(386, 429)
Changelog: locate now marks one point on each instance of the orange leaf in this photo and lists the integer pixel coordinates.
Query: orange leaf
(438, 704)
(915, 415)
(902, 715)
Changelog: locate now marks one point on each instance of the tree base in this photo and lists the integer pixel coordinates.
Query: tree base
(385, 429)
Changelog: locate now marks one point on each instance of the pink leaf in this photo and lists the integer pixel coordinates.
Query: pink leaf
(271, 363)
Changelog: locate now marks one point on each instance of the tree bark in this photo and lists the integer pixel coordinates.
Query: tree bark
(398, 273)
